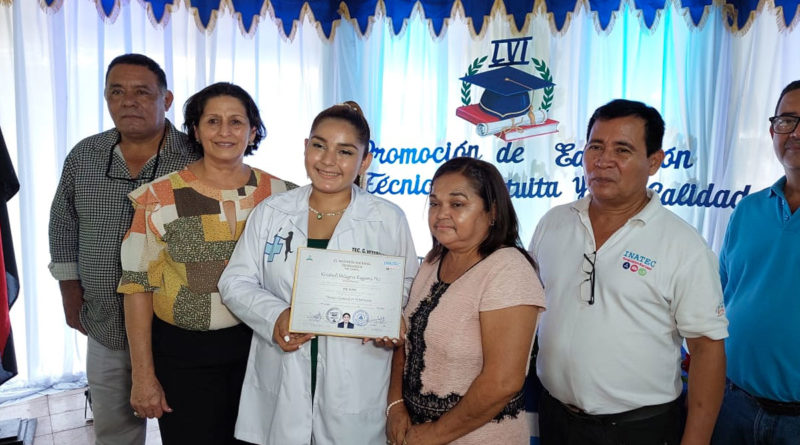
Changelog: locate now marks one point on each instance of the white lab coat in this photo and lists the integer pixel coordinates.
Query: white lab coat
(352, 378)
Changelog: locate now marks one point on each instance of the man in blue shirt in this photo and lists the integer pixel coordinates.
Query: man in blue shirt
(760, 272)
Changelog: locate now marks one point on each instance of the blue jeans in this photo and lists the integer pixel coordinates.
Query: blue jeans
(742, 421)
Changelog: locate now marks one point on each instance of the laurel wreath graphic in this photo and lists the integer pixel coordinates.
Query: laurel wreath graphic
(466, 98)
(544, 71)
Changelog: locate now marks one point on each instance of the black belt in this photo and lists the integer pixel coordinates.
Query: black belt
(773, 406)
(634, 415)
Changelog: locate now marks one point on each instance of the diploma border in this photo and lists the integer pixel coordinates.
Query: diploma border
(298, 258)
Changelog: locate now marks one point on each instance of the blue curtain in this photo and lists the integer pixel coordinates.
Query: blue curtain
(326, 11)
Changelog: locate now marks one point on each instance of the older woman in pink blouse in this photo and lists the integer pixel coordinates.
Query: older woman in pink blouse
(471, 318)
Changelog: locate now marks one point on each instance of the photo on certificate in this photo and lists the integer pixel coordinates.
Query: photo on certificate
(347, 294)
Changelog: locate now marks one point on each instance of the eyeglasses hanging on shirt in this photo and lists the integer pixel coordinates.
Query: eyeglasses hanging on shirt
(141, 177)
(587, 285)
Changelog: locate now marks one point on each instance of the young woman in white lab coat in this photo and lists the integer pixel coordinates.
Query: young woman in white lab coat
(326, 390)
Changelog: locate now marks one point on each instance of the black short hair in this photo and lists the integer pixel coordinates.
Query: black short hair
(195, 105)
(140, 60)
(653, 123)
(487, 182)
(346, 313)
(789, 88)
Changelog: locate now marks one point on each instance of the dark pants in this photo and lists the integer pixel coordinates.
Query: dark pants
(201, 373)
(558, 425)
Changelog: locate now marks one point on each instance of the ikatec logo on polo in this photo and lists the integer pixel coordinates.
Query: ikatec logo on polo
(636, 263)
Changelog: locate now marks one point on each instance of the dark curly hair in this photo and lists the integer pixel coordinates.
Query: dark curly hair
(194, 106)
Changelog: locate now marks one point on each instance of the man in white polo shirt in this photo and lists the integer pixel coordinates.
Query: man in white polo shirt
(626, 281)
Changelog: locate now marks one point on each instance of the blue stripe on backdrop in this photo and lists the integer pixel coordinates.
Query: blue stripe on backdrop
(326, 12)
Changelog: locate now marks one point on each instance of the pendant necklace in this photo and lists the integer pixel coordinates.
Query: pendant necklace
(320, 215)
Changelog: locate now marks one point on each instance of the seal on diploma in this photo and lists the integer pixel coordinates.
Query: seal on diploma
(360, 317)
(333, 314)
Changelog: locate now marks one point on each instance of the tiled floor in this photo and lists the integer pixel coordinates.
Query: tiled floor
(60, 419)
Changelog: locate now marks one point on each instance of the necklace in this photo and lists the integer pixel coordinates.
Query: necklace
(321, 214)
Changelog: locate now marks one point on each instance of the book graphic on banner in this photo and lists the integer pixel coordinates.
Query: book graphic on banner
(505, 107)
(507, 129)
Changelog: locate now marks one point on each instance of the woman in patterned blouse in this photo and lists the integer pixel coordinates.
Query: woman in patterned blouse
(188, 352)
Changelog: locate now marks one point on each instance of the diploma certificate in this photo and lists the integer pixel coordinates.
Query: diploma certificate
(347, 294)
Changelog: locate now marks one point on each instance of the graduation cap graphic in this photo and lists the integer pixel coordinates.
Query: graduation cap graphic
(506, 91)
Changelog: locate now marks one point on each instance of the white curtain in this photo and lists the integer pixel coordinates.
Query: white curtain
(715, 89)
